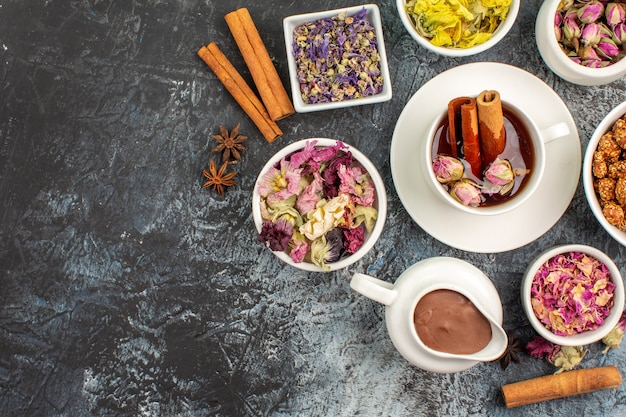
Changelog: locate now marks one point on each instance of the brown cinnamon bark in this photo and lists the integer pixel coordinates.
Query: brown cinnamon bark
(491, 126)
(268, 83)
(239, 89)
(463, 128)
(560, 385)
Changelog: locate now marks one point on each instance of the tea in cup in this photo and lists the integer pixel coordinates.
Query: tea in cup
(442, 314)
(485, 155)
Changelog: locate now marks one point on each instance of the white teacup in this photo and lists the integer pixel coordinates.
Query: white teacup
(539, 138)
(423, 278)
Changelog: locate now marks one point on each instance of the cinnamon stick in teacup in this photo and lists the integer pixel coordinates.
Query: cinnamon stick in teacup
(463, 128)
(491, 125)
(561, 385)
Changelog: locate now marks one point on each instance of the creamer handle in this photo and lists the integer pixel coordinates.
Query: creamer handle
(373, 288)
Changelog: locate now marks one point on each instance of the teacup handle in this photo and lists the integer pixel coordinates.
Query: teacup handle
(373, 288)
(554, 132)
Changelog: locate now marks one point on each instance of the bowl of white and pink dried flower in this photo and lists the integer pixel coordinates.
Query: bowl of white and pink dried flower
(319, 205)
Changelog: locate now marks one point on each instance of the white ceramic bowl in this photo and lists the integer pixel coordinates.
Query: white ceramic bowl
(373, 16)
(587, 174)
(498, 34)
(380, 204)
(559, 63)
(587, 337)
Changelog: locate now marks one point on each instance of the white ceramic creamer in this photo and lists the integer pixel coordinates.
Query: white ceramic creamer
(401, 298)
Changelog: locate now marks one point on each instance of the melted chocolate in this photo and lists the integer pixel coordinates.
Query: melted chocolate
(447, 321)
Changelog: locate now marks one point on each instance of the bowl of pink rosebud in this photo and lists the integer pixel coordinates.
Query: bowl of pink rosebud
(583, 41)
(573, 295)
(319, 205)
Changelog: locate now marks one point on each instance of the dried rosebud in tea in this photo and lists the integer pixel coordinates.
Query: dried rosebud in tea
(466, 192)
(500, 174)
(448, 168)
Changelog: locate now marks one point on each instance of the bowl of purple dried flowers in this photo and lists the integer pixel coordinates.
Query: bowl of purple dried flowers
(337, 58)
(319, 205)
(573, 295)
(583, 41)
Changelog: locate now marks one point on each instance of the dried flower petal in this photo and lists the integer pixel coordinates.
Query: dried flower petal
(327, 249)
(615, 336)
(569, 357)
(572, 293)
(299, 247)
(283, 181)
(276, 236)
(541, 348)
(354, 239)
(356, 182)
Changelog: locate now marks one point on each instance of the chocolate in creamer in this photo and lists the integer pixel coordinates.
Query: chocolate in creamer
(447, 321)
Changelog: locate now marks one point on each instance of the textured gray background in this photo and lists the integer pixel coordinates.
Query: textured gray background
(126, 289)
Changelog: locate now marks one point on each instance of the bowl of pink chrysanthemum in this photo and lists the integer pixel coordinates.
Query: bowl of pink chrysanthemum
(319, 205)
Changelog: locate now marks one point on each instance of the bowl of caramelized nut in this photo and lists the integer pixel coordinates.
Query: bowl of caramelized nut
(604, 173)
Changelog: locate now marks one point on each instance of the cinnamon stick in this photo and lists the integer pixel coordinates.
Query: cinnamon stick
(463, 128)
(268, 83)
(239, 89)
(492, 133)
(561, 385)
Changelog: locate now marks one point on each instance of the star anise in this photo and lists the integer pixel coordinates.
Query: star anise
(511, 353)
(218, 179)
(229, 143)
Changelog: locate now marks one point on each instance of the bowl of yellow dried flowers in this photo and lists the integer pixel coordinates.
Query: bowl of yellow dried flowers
(452, 29)
(319, 205)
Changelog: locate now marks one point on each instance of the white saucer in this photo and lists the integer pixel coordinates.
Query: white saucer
(449, 273)
(485, 234)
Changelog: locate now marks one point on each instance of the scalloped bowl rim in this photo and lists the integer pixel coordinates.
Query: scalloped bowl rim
(587, 337)
(381, 202)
